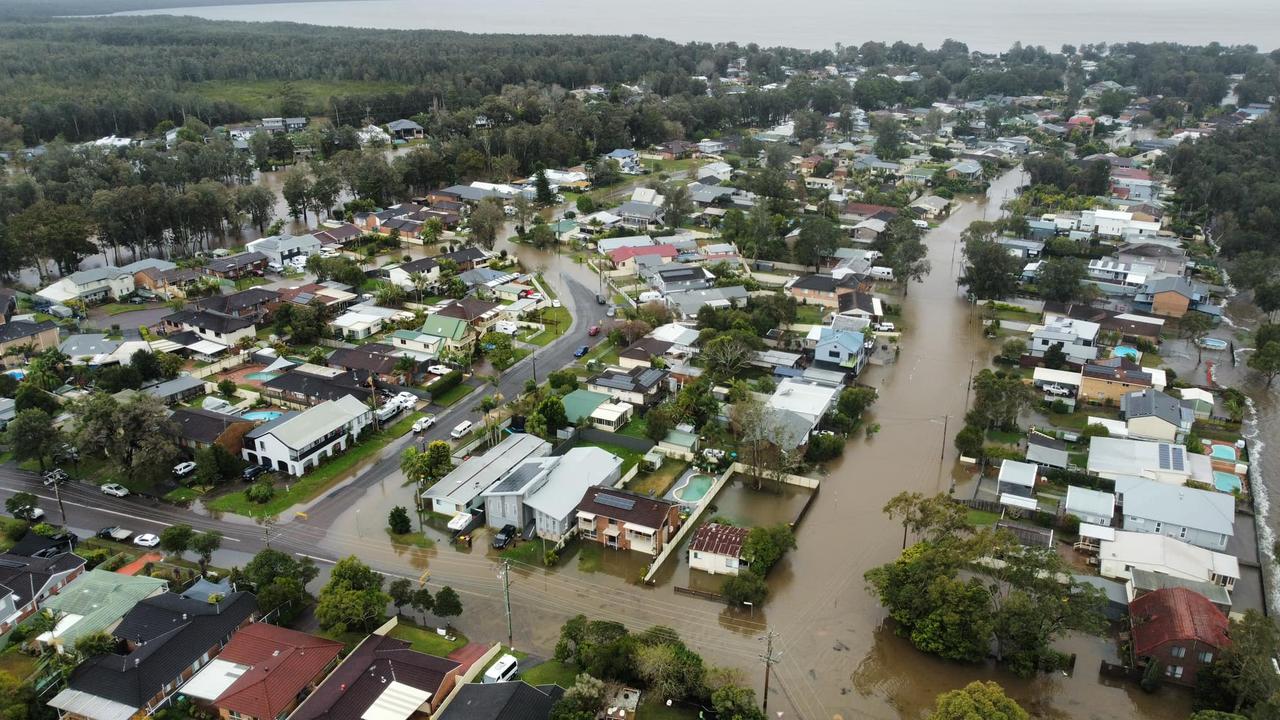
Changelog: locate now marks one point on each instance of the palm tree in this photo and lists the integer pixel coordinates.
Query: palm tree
(420, 283)
(407, 368)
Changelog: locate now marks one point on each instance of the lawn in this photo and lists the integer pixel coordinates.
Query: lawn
(317, 481)
(605, 353)
(636, 428)
(659, 481)
(557, 320)
(534, 336)
(16, 664)
(551, 672)
(245, 283)
(1078, 419)
(629, 457)
(416, 539)
(181, 496)
(122, 308)
(452, 395)
(546, 288)
(652, 708)
(810, 314)
(1004, 437)
(426, 640)
(527, 552)
(315, 93)
(978, 518)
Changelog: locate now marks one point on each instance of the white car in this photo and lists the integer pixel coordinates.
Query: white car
(406, 397)
(184, 469)
(439, 369)
(146, 540)
(1056, 390)
(115, 490)
(555, 303)
(423, 423)
(885, 327)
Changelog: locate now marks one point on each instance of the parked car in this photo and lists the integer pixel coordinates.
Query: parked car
(612, 311)
(115, 490)
(30, 513)
(184, 469)
(555, 303)
(581, 351)
(439, 369)
(407, 399)
(252, 472)
(116, 533)
(504, 537)
(885, 327)
(146, 540)
(599, 299)
(1057, 390)
(423, 423)
(461, 429)
(594, 330)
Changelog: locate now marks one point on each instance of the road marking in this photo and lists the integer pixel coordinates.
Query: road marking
(104, 510)
(317, 558)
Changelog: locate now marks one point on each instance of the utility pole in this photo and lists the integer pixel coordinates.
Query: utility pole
(504, 572)
(769, 659)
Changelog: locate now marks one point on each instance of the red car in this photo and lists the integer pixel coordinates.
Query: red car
(593, 330)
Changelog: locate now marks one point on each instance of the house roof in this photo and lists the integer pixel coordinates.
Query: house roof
(317, 387)
(645, 348)
(208, 321)
(235, 262)
(819, 283)
(1176, 505)
(20, 329)
(22, 574)
(280, 664)
(203, 426)
(169, 633)
(623, 254)
(88, 345)
(360, 680)
(502, 701)
(174, 387)
(468, 309)
(478, 472)
(1121, 456)
(373, 357)
(719, 539)
(1119, 370)
(627, 507)
(581, 403)
(97, 599)
(1014, 472)
(239, 301)
(637, 379)
(1083, 500)
(317, 421)
(450, 328)
(568, 476)
(1151, 403)
(1146, 580)
(1176, 615)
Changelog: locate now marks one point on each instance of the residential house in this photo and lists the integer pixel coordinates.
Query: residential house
(841, 349)
(479, 315)
(467, 258)
(263, 673)
(932, 206)
(330, 294)
(1152, 415)
(622, 520)
(382, 679)
(1116, 458)
(404, 273)
(1077, 339)
(1179, 631)
(1203, 518)
(415, 344)
(1143, 582)
(1104, 382)
(237, 266)
(179, 389)
(628, 160)
(642, 352)
(608, 245)
(1046, 451)
(717, 549)
(797, 407)
(640, 215)
(624, 258)
(1016, 484)
(1164, 259)
(295, 443)
(405, 130)
(19, 338)
(1132, 327)
(676, 149)
(825, 290)
(580, 403)
(168, 638)
(668, 278)
(455, 334)
(681, 337)
(96, 601)
(89, 348)
(1199, 401)
(221, 329)
(1091, 506)
(279, 248)
(502, 701)
(545, 491)
(366, 319)
(377, 359)
(27, 581)
(1174, 297)
(197, 428)
(685, 304)
(307, 385)
(337, 235)
(965, 170)
(253, 303)
(461, 490)
(1124, 552)
(1022, 249)
(167, 283)
(639, 386)
(90, 286)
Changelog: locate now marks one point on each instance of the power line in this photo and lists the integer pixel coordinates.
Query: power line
(769, 658)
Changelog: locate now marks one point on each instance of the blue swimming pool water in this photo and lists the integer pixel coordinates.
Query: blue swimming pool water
(1224, 452)
(1225, 481)
(694, 488)
(267, 415)
(17, 374)
(1125, 351)
(261, 376)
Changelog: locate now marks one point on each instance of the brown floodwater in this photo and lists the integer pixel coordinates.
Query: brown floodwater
(839, 656)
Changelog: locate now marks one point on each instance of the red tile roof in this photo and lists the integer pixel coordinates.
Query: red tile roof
(282, 663)
(719, 539)
(626, 253)
(1173, 615)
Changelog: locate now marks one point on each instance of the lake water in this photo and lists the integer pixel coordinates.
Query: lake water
(989, 25)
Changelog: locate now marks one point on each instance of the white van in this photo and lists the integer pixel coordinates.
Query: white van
(881, 273)
(650, 296)
(505, 668)
(460, 430)
(387, 411)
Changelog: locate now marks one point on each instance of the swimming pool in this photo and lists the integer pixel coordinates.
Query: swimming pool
(17, 374)
(261, 376)
(1225, 481)
(1224, 452)
(694, 488)
(1125, 351)
(267, 415)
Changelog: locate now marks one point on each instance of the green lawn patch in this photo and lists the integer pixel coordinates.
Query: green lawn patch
(653, 708)
(557, 321)
(605, 353)
(629, 457)
(426, 640)
(590, 557)
(528, 552)
(551, 672)
(635, 428)
(16, 664)
(416, 539)
(316, 481)
(181, 496)
(452, 395)
(978, 518)
(1078, 459)
(266, 93)
(1004, 436)
(245, 283)
(535, 336)
(546, 288)
(810, 314)
(659, 481)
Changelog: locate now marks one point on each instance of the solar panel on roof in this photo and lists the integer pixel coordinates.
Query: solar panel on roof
(614, 501)
(648, 377)
(1177, 458)
(1163, 452)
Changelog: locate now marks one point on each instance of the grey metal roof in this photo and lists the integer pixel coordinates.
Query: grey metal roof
(1147, 580)
(522, 475)
(1177, 505)
(176, 386)
(1151, 403)
(478, 473)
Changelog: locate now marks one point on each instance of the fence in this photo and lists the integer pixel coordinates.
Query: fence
(330, 342)
(700, 594)
(689, 523)
(786, 478)
(221, 366)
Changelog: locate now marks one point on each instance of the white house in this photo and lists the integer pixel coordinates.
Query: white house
(92, 285)
(1129, 551)
(1152, 415)
(1091, 506)
(1077, 338)
(462, 489)
(1115, 458)
(361, 321)
(717, 549)
(214, 327)
(1200, 517)
(546, 490)
(1016, 484)
(296, 442)
(279, 248)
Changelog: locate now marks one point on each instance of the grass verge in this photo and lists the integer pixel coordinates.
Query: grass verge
(415, 539)
(452, 395)
(426, 640)
(551, 672)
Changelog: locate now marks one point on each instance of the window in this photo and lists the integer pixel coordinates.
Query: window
(1158, 526)
(1173, 671)
(1182, 534)
(1205, 656)
(1177, 651)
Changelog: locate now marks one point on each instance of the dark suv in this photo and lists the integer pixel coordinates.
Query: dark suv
(504, 537)
(252, 472)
